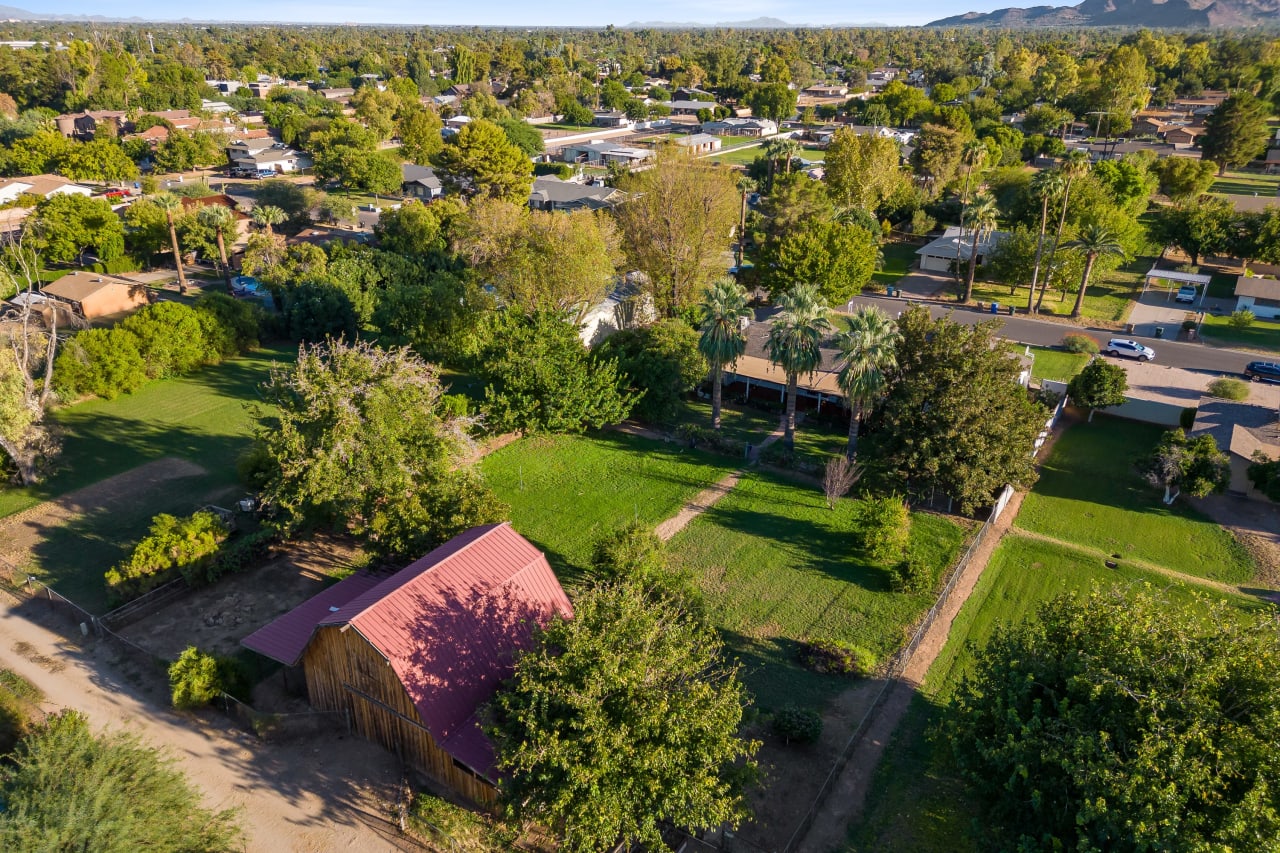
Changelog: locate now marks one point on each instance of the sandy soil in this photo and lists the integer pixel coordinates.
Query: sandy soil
(327, 793)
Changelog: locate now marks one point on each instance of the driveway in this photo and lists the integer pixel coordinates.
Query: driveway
(1156, 309)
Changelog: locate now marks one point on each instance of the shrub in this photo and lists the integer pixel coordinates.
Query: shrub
(883, 528)
(195, 679)
(1076, 342)
(235, 555)
(662, 361)
(837, 658)
(1188, 325)
(455, 405)
(170, 339)
(115, 266)
(913, 575)
(801, 725)
(1187, 418)
(172, 545)
(231, 326)
(1242, 319)
(710, 439)
(922, 223)
(1228, 389)
(561, 170)
(632, 552)
(101, 362)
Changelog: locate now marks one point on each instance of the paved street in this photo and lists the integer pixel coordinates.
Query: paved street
(1045, 333)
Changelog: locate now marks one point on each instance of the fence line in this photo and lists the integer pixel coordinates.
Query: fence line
(274, 726)
(896, 668)
(145, 605)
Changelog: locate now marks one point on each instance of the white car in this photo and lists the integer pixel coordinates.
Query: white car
(1117, 347)
(1186, 294)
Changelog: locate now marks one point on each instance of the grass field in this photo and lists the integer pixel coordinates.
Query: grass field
(566, 492)
(1262, 335)
(201, 418)
(898, 258)
(1056, 364)
(916, 803)
(778, 567)
(1110, 296)
(1089, 494)
(736, 156)
(1246, 183)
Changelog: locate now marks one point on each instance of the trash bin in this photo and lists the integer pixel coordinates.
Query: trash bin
(1128, 328)
(1009, 308)
(995, 307)
(1159, 331)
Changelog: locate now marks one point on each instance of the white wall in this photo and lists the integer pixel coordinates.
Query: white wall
(1267, 311)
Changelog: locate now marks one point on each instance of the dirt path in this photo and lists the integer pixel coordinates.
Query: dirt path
(325, 793)
(708, 497)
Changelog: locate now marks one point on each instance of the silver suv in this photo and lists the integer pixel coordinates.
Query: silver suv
(1117, 347)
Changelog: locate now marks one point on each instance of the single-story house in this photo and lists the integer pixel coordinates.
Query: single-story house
(412, 658)
(692, 93)
(688, 108)
(551, 193)
(1183, 136)
(420, 182)
(939, 255)
(610, 118)
(338, 93)
(1240, 430)
(44, 186)
(93, 295)
(826, 91)
(698, 143)
(754, 127)
(1273, 161)
(457, 122)
(1259, 295)
(602, 153)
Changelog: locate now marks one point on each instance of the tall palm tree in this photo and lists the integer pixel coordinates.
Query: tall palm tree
(972, 155)
(171, 204)
(1094, 241)
(981, 218)
(1075, 165)
(223, 222)
(724, 307)
(868, 352)
(790, 150)
(267, 216)
(746, 186)
(1047, 185)
(794, 342)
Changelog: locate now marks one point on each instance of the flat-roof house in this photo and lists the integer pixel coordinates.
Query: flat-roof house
(826, 91)
(93, 295)
(1259, 295)
(551, 193)
(414, 657)
(754, 127)
(940, 254)
(698, 143)
(44, 186)
(420, 182)
(602, 153)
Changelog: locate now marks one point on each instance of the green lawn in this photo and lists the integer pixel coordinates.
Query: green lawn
(1056, 364)
(1246, 183)
(736, 156)
(778, 568)
(898, 258)
(566, 492)
(1090, 494)
(1109, 298)
(737, 423)
(201, 418)
(1262, 335)
(916, 802)
(819, 440)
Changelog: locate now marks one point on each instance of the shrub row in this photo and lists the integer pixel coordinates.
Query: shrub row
(173, 546)
(164, 339)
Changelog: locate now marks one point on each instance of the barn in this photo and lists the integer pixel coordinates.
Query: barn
(413, 657)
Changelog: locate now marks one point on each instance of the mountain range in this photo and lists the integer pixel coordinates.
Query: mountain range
(1170, 14)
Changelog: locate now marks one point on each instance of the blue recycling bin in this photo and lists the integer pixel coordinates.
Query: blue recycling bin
(995, 307)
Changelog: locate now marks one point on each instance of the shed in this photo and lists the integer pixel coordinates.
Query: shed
(412, 658)
(92, 295)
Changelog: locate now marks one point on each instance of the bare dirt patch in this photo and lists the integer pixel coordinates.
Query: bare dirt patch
(22, 532)
(1255, 524)
(217, 617)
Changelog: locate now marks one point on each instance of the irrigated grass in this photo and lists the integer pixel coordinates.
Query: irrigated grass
(777, 568)
(1090, 494)
(1056, 364)
(1262, 335)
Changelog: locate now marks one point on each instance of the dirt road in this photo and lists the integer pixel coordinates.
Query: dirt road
(326, 793)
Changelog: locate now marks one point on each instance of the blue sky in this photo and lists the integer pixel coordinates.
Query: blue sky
(516, 12)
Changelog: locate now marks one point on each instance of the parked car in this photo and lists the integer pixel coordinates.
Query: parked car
(1118, 347)
(1262, 371)
(1186, 294)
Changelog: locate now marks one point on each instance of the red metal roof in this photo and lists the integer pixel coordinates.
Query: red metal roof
(286, 638)
(451, 623)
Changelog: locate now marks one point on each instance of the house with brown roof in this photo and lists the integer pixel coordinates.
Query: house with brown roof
(93, 295)
(1183, 136)
(44, 186)
(1242, 431)
(414, 657)
(1259, 294)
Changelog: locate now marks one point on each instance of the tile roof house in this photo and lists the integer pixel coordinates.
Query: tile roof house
(412, 658)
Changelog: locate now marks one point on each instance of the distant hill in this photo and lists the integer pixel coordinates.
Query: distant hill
(13, 13)
(1173, 14)
(754, 24)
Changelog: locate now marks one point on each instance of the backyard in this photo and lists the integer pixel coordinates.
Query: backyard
(1247, 183)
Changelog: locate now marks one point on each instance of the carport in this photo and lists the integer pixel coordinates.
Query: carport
(1171, 278)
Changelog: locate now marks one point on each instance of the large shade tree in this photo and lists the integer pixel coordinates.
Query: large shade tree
(623, 720)
(722, 340)
(795, 343)
(868, 347)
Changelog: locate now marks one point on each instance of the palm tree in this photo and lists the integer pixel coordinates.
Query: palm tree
(170, 204)
(1046, 185)
(267, 216)
(981, 217)
(790, 150)
(867, 354)
(222, 221)
(746, 186)
(1094, 241)
(1074, 166)
(795, 340)
(724, 307)
(971, 155)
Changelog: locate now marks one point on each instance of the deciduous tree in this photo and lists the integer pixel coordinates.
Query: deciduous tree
(481, 160)
(1194, 465)
(1099, 385)
(862, 170)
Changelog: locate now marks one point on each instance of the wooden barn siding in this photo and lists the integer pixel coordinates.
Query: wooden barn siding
(344, 672)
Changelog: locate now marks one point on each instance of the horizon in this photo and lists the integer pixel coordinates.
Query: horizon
(502, 13)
